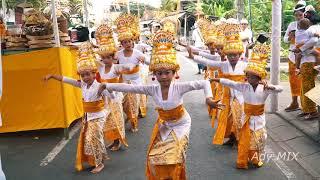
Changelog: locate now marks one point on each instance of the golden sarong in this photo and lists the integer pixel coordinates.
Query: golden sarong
(246, 143)
(210, 73)
(91, 148)
(114, 126)
(308, 75)
(131, 108)
(217, 96)
(143, 105)
(165, 159)
(295, 80)
(231, 115)
(143, 97)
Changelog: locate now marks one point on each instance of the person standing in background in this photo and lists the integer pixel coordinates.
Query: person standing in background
(307, 71)
(289, 37)
(198, 43)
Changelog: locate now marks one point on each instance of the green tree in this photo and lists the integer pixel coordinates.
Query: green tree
(142, 8)
(11, 4)
(72, 7)
(168, 5)
(220, 8)
(191, 7)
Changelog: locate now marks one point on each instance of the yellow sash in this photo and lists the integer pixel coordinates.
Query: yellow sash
(91, 107)
(112, 80)
(171, 115)
(223, 117)
(244, 140)
(133, 71)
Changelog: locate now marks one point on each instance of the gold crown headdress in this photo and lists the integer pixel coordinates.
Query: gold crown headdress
(124, 29)
(219, 31)
(134, 25)
(258, 62)
(169, 25)
(163, 52)
(207, 30)
(105, 40)
(202, 23)
(233, 44)
(210, 35)
(86, 60)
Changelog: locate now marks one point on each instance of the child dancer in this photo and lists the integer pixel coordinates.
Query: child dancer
(229, 118)
(110, 73)
(126, 32)
(91, 148)
(253, 132)
(169, 139)
(216, 40)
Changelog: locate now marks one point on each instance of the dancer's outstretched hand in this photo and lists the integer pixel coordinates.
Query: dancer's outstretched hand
(214, 80)
(101, 89)
(190, 52)
(47, 77)
(215, 104)
(266, 86)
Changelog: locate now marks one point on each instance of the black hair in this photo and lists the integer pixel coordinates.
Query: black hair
(253, 74)
(299, 10)
(314, 17)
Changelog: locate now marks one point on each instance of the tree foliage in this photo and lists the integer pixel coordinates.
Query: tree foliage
(219, 8)
(168, 5)
(11, 4)
(142, 8)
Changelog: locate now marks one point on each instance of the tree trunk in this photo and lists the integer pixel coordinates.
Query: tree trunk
(240, 9)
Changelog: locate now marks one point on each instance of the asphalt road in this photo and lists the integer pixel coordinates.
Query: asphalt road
(23, 152)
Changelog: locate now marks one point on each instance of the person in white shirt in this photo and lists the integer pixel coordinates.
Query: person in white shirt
(144, 72)
(91, 147)
(247, 35)
(198, 43)
(109, 72)
(301, 37)
(166, 154)
(255, 92)
(128, 54)
(308, 74)
(233, 69)
(289, 37)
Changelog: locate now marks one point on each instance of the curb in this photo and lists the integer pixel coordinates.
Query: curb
(315, 138)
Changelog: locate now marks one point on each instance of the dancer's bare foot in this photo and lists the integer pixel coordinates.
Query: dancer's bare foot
(134, 130)
(111, 145)
(97, 169)
(258, 165)
(116, 147)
